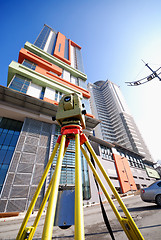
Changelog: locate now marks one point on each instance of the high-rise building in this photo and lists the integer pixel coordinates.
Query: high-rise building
(49, 68)
(46, 70)
(117, 124)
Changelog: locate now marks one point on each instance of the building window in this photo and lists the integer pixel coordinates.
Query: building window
(68, 167)
(42, 93)
(82, 83)
(19, 83)
(58, 96)
(29, 64)
(42, 38)
(79, 63)
(77, 81)
(59, 47)
(86, 104)
(66, 49)
(9, 134)
(54, 73)
(141, 178)
(106, 152)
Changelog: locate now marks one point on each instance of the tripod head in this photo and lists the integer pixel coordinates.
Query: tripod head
(70, 111)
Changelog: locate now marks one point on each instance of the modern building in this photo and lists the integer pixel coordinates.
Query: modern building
(117, 124)
(46, 70)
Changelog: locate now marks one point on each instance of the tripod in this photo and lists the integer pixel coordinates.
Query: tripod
(73, 132)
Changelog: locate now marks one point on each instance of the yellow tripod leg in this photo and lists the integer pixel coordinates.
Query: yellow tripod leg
(34, 199)
(128, 224)
(79, 220)
(49, 220)
(37, 219)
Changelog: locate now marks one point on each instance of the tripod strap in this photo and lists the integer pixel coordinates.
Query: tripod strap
(104, 214)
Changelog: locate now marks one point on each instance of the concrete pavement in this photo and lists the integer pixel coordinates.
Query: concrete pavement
(146, 216)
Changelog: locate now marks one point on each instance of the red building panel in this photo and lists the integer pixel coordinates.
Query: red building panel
(60, 47)
(125, 176)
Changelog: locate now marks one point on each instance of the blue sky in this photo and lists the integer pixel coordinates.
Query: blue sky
(114, 35)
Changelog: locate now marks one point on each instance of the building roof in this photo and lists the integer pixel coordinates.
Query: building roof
(99, 83)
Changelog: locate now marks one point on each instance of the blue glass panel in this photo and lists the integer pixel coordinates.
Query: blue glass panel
(23, 91)
(2, 155)
(79, 60)
(14, 88)
(29, 64)
(66, 50)
(54, 42)
(20, 84)
(59, 47)
(82, 84)
(8, 157)
(14, 140)
(19, 79)
(4, 167)
(2, 175)
(42, 38)
(11, 148)
(42, 93)
(16, 133)
(4, 147)
(8, 139)
(11, 132)
(2, 138)
(5, 130)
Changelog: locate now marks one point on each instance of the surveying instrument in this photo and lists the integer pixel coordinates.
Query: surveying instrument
(70, 116)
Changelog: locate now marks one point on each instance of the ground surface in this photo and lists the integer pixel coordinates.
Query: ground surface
(147, 217)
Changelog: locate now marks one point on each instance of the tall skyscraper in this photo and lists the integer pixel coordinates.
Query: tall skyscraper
(45, 70)
(49, 68)
(117, 124)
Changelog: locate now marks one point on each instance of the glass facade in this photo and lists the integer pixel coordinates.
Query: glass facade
(82, 83)
(106, 152)
(42, 38)
(29, 64)
(87, 105)
(66, 53)
(54, 37)
(58, 96)
(9, 134)
(68, 167)
(42, 93)
(19, 83)
(79, 60)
